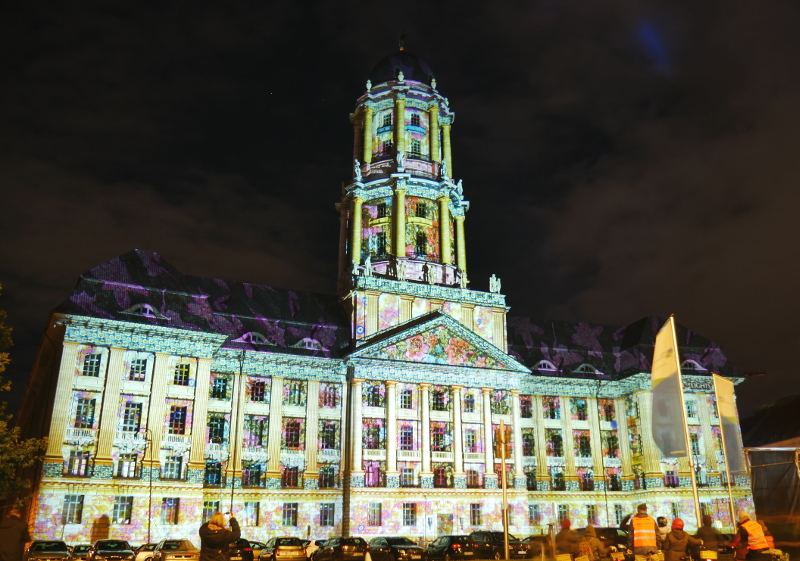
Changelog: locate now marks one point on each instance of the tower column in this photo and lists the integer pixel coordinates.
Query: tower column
(366, 135)
(461, 246)
(448, 153)
(446, 248)
(400, 222)
(433, 112)
(355, 231)
(400, 123)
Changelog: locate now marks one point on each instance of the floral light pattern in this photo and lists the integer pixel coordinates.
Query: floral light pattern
(439, 346)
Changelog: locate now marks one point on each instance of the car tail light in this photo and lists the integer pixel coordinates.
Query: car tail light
(247, 549)
(455, 546)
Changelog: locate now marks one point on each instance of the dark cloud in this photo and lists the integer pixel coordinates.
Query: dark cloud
(622, 159)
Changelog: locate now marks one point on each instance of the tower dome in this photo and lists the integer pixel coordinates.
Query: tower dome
(412, 67)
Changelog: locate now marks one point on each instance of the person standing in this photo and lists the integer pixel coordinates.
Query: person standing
(13, 536)
(751, 533)
(677, 541)
(566, 540)
(592, 545)
(663, 526)
(215, 539)
(708, 534)
(643, 536)
(767, 534)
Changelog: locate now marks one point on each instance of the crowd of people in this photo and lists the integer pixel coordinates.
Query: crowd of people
(647, 536)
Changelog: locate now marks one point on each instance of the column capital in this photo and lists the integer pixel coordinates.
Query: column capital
(457, 387)
(355, 381)
(390, 383)
(425, 385)
(514, 391)
(486, 390)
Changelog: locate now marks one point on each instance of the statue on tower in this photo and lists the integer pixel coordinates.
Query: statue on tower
(443, 169)
(368, 266)
(401, 160)
(494, 284)
(357, 170)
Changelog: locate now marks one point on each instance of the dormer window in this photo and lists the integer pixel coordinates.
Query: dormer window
(692, 365)
(145, 310)
(545, 366)
(252, 337)
(415, 120)
(585, 369)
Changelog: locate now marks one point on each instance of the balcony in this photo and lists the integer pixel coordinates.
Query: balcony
(414, 269)
(409, 455)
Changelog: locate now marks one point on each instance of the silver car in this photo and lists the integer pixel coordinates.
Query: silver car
(145, 551)
(176, 550)
(54, 550)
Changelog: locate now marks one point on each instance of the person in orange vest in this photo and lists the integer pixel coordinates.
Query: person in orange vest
(751, 533)
(643, 534)
(767, 534)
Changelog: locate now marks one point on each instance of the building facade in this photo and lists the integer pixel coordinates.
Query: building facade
(167, 397)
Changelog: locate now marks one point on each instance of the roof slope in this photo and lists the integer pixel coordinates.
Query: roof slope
(773, 424)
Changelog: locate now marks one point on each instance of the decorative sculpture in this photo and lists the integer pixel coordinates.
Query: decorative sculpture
(433, 83)
(368, 266)
(400, 76)
(369, 85)
(401, 160)
(357, 170)
(460, 188)
(494, 284)
(401, 269)
(443, 168)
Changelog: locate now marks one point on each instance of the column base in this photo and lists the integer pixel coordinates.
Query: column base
(520, 482)
(357, 480)
(460, 481)
(393, 479)
(490, 481)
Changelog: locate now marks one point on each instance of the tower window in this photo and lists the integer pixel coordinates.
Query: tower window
(383, 210)
(422, 210)
(380, 244)
(421, 244)
(415, 120)
(416, 148)
(387, 120)
(386, 148)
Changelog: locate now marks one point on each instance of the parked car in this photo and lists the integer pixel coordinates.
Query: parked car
(144, 552)
(490, 545)
(283, 549)
(395, 548)
(452, 547)
(341, 549)
(81, 551)
(314, 545)
(609, 536)
(240, 550)
(175, 550)
(48, 549)
(257, 547)
(111, 550)
(537, 544)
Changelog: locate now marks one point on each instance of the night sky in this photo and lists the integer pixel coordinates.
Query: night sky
(622, 158)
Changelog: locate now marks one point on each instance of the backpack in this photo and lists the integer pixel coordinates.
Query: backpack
(585, 548)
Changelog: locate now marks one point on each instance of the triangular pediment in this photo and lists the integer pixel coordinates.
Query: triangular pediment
(437, 339)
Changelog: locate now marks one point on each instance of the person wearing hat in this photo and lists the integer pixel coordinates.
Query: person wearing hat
(677, 541)
(13, 536)
(751, 534)
(663, 526)
(708, 534)
(566, 540)
(643, 535)
(589, 542)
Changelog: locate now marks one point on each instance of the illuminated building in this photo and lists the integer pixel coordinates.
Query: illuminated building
(371, 412)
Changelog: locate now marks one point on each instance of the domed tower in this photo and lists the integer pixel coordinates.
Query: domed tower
(402, 214)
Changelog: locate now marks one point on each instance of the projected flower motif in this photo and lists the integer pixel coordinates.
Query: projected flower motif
(440, 346)
(417, 348)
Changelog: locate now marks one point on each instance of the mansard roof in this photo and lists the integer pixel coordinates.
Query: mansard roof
(613, 351)
(141, 287)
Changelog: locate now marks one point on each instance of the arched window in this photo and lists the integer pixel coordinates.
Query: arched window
(545, 366)
(692, 365)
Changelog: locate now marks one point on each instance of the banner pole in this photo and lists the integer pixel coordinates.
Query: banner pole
(725, 454)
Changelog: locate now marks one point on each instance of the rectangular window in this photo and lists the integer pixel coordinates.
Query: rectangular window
(138, 371)
(440, 439)
(251, 511)
(530, 479)
(618, 514)
(554, 444)
(329, 435)
(327, 513)
(209, 508)
(251, 475)
(526, 406)
(373, 474)
(170, 507)
(91, 365)
(213, 474)
(290, 477)
(291, 434)
(289, 517)
(580, 409)
(470, 441)
(406, 437)
(78, 463)
(181, 374)
(582, 443)
(72, 512)
(695, 442)
(294, 393)
(131, 417)
(217, 428)
(219, 387)
(534, 514)
(409, 514)
(469, 403)
(258, 391)
(374, 394)
(173, 468)
(528, 443)
(373, 434)
(475, 515)
(407, 478)
(591, 514)
(440, 399)
(84, 413)
(563, 513)
(557, 477)
(255, 430)
(374, 514)
(416, 150)
(551, 407)
(123, 507)
(407, 399)
(473, 479)
(177, 419)
(126, 465)
(676, 510)
(329, 396)
(327, 477)
(380, 244)
(606, 410)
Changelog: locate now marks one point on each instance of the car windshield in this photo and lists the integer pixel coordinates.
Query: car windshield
(112, 545)
(399, 541)
(49, 546)
(289, 541)
(353, 541)
(177, 545)
(461, 539)
(148, 547)
(81, 548)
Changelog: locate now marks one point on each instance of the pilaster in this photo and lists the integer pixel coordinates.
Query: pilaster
(458, 437)
(399, 228)
(61, 405)
(312, 429)
(445, 243)
(488, 448)
(356, 435)
(275, 427)
(406, 307)
(425, 429)
(355, 231)
(623, 439)
(200, 417)
(433, 111)
(516, 412)
(448, 153)
(372, 312)
(391, 428)
(461, 246)
(651, 453)
(110, 409)
(400, 122)
(570, 473)
(542, 472)
(158, 404)
(596, 442)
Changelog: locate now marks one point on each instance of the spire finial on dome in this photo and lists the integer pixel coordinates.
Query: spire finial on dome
(401, 40)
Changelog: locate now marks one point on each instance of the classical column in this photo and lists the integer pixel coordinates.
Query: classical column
(158, 396)
(516, 412)
(570, 473)
(445, 245)
(468, 316)
(312, 430)
(596, 441)
(275, 428)
(372, 312)
(400, 222)
(433, 131)
(366, 135)
(400, 122)
(355, 231)
(357, 427)
(426, 428)
(108, 414)
(61, 405)
(461, 246)
(448, 153)
(391, 427)
(623, 439)
(650, 452)
(488, 447)
(342, 238)
(458, 438)
(200, 416)
(708, 437)
(542, 473)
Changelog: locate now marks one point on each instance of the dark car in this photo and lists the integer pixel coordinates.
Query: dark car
(48, 549)
(609, 536)
(395, 548)
(538, 544)
(341, 549)
(175, 550)
(81, 551)
(452, 547)
(489, 545)
(240, 550)
(285, 548)
(111, 550)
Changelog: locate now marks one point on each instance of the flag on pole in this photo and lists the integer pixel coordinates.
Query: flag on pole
(726, 406)
(669, 430)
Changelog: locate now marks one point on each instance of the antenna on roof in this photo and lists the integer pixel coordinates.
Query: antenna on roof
(401, 40)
